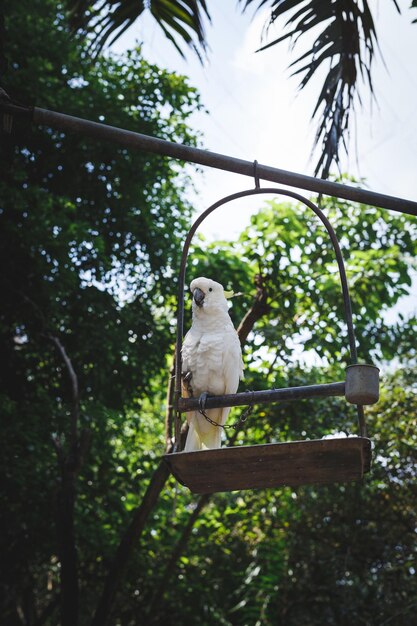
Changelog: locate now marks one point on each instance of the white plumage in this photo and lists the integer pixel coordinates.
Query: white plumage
(212, 358)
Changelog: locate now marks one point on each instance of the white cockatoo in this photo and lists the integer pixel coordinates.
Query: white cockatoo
(211, 360)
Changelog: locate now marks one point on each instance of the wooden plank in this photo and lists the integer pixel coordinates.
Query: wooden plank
(294, 463)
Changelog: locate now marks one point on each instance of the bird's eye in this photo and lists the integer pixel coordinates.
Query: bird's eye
(210, 289)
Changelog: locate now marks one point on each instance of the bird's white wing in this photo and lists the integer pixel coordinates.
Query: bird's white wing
(232, 362)
(209, 364)
(189, 349)
(202, 355)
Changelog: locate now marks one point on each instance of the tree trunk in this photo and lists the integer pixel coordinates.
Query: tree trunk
(128, 542)
(67, 549)
(157, 599)
(69, 464)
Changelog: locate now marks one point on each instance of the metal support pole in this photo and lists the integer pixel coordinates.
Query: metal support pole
(130, 139)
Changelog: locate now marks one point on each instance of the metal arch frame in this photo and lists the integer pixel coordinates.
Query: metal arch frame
(181, 284)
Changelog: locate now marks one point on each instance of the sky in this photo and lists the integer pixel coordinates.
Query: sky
(255, 110)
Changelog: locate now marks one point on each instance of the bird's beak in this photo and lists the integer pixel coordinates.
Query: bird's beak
(198, 296)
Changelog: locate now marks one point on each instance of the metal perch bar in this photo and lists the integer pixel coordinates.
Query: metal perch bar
(130, 139)
(268, 395)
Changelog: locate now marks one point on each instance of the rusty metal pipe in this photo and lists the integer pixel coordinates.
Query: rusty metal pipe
(138, 141)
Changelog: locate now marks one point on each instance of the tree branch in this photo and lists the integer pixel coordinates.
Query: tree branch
(259, 308)
(75, 410)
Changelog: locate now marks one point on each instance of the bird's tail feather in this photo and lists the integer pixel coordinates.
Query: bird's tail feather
(193, 441)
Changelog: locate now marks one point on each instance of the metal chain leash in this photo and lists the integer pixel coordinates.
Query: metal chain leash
(186, 379)
(248, 411)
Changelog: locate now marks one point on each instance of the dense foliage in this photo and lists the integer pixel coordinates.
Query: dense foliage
(90, 236)
(345, 44)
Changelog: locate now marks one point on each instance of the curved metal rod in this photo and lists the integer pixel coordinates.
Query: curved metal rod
(181, 278)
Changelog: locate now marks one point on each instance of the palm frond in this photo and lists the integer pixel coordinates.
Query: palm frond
(345, 46)
(104, 21)
(414, 6)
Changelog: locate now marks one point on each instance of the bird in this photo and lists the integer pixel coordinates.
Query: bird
(211, 361)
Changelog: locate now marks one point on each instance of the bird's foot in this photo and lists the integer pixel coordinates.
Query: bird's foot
(186, 379)
(202, 401)
(202, 409)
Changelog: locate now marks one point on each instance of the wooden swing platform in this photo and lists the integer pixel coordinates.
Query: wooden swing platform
(318, 461)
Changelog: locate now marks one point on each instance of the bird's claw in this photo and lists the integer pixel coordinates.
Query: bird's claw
(202, 401)
(186, 379)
